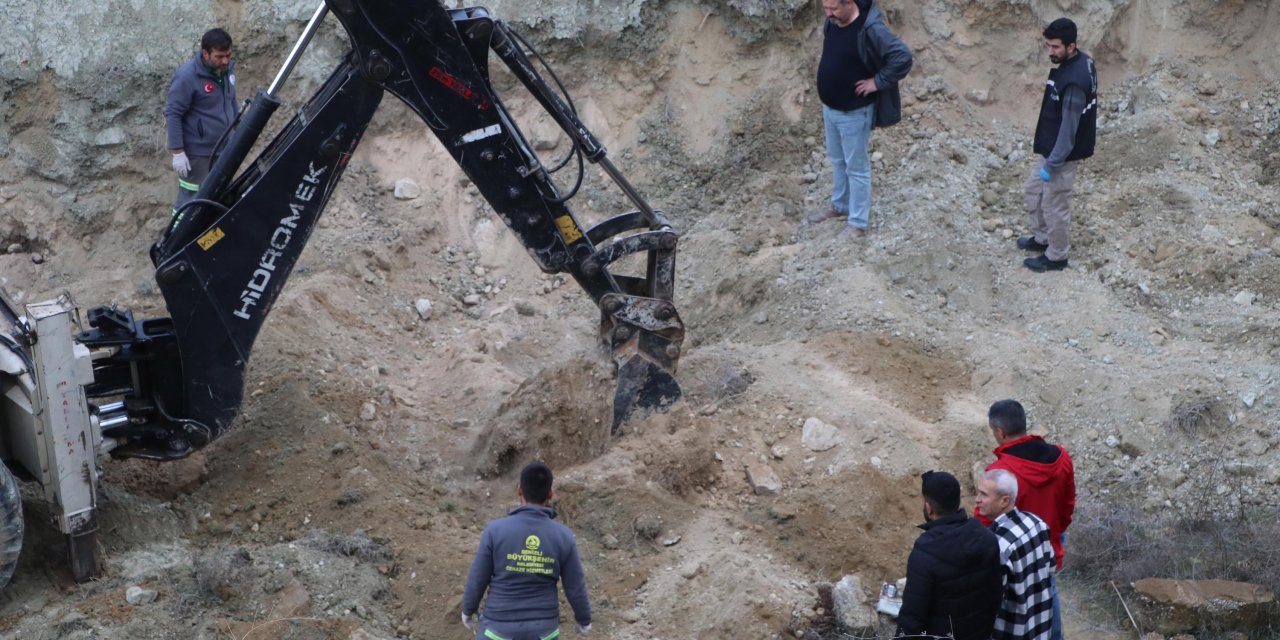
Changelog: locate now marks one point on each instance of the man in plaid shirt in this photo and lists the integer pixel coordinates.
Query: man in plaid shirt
(1026, 612)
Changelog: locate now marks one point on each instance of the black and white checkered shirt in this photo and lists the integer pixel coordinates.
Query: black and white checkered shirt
(1026, 612)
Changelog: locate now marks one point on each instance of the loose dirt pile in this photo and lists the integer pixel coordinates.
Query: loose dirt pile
(376, 442)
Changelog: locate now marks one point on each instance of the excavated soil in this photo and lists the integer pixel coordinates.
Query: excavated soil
(374, 443)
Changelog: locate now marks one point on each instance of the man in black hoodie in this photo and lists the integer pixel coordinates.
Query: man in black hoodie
(954, 583)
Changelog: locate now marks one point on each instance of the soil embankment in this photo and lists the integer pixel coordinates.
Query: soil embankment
(375, 443)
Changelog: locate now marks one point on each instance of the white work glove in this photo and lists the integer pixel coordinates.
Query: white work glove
(582, 629)
(181, 164)
(466, 622)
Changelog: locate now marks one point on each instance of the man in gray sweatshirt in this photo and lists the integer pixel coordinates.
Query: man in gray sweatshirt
(519, 561)
(200, 107)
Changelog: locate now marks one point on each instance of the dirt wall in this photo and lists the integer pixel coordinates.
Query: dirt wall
(377, 439)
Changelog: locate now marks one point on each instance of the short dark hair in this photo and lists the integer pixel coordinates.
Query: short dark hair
(1061, 29)
(535, 482)
(942, 491)
(1008, 416)
(215, 40)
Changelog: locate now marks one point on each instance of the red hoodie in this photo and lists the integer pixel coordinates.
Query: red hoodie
(1046, 483)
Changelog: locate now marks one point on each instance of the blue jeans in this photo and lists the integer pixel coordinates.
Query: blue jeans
(848, 133)
(1056, 633)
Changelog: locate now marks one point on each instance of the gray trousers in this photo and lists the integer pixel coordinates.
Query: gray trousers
(1049, 205)
(527, 630)
(188, 186)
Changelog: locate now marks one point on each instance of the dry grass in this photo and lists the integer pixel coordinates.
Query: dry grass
(222, 573)
(1191, 416)
(1116, 543)
(358, 545)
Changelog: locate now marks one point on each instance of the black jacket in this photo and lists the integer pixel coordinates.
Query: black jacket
(953, 580)
(888, 58)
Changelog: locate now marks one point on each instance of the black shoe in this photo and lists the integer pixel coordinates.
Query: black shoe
(1041, 264)
(1028, 243)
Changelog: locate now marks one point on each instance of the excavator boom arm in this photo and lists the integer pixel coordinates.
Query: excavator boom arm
(223, 261)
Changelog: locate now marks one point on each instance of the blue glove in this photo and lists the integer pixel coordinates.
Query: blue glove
(1044, 174)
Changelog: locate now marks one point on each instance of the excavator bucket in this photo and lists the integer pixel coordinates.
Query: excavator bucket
(643, 386)
(645, 335)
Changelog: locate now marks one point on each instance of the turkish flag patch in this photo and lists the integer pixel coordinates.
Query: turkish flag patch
(208, 87)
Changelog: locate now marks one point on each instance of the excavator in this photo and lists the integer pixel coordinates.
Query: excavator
(162, 388)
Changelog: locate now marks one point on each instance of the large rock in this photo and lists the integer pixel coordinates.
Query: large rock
(764, 482)
(819, 436)
(423, 307)
(1177, 606)
(406, 189)
(137, 596)
(855, 616)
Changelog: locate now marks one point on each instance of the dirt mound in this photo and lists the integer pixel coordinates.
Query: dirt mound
(559, 416)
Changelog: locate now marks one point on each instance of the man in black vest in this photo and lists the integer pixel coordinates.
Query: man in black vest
(1065, 135)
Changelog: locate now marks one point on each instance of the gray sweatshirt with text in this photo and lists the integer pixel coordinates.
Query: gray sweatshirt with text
(520, 559)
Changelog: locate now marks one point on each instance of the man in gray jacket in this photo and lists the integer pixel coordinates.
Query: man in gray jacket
(519, 561)
(862, 62)
(200, 107)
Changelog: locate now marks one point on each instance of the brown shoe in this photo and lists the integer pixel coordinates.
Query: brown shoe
(823, 216)
(851, 232)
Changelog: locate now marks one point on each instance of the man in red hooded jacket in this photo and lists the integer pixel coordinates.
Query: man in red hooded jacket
(1046, 479)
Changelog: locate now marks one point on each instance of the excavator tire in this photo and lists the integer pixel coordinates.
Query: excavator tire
(10, 525)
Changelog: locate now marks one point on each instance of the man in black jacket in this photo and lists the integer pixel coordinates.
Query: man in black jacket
(954, 571)
(1065, 134)
(862, 62)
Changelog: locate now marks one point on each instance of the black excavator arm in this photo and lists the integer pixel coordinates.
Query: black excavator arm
(225, 258)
